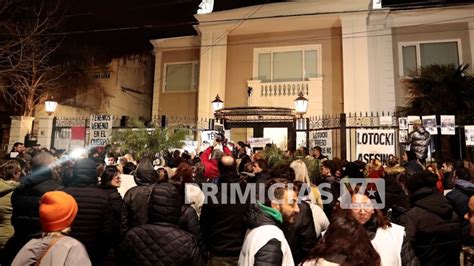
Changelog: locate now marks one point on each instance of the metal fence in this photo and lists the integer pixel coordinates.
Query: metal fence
(343, 128)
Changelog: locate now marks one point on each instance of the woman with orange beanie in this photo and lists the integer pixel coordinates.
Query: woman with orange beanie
(57, 212)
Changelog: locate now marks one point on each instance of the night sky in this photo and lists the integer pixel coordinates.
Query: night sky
(124, 26)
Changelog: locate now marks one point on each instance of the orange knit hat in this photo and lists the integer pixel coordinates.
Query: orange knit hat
(57, 211)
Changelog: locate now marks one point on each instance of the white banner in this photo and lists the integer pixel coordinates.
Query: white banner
(323, 139)
(100, 130)
(375, 144)
(259, 142)
(447, 125)
(429, 123)
(469, 133)
(208, 136)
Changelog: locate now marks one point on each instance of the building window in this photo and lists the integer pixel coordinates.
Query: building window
(182, 76)
(282, 64)
(100, 75)
(416, 54)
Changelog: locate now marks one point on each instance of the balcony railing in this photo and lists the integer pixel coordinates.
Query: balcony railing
(282, 94)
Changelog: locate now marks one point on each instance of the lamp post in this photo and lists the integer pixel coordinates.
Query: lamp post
(217, 104)
(301, 107)
(50, 106)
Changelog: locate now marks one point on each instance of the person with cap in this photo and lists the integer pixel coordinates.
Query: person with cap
(57, 212)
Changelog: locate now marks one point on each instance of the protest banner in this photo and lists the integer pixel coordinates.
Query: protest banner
(375, 144)
(100, 130)
(323, 139)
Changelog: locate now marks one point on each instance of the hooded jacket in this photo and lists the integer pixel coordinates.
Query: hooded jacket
(6, 209)
(161, 242)
(459, 199)
(93, 225)
(433, 229)
(135, 201)
(265, 243)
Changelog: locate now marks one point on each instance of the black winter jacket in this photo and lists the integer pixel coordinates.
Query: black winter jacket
(222, 225)
(135, 207)
(433, 228)
(301, 235)
(161, 242)
(25, 217)
(459, 198)
(189, 222)
(25, 202)
(93, 225)
(135, 202)
(116, 204)
(269, 254)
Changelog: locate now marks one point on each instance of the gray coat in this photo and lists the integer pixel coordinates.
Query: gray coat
(66, 251)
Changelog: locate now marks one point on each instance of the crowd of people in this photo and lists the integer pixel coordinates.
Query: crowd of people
(105, 209)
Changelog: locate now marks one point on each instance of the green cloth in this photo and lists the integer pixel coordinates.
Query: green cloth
(271, 212)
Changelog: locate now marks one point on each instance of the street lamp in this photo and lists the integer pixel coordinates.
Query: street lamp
(217, 104)
(301, 104)
(50, 106)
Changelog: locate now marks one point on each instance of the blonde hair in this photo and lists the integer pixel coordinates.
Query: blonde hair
(65, 231)
(301, 171)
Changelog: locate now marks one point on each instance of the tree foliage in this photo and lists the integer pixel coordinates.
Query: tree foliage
(442, 90)
(145, 140)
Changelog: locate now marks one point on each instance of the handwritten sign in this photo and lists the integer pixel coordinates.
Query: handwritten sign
(323, 139)
(100, 130)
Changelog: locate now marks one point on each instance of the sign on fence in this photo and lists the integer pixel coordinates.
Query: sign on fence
(323, 139)
(469, 133)
(100, 130)
(375, 144)
(447, 125)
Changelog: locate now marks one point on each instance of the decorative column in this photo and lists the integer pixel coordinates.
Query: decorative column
(355, 53)
(369, 82)
(45, 131)
(20, 126)
(212, 74)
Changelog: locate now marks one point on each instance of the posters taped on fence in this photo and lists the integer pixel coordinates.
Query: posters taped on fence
(100, 130)
(375, 144)
(469, 133)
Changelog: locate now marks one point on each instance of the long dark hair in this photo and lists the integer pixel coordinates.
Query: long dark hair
(346, 243)
(109, 172)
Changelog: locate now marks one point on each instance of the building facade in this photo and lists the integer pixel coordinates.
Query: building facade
(345, 56)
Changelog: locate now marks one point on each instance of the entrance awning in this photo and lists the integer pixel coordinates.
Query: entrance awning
(256, 114)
